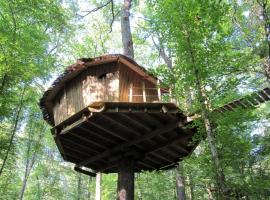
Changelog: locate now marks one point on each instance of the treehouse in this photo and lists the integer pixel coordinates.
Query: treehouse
(108, 109)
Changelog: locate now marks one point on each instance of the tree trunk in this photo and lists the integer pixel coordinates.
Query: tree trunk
(125, 184)
(15, 126)
(88, 191)
(180, 184)
(23, 186)
(191, 190)
(208, 126)
(126, 31)
(209, 192)
(266, 19)
(79, 189)
(98, 186)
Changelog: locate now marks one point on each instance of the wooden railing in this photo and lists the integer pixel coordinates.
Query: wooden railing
(146, 94)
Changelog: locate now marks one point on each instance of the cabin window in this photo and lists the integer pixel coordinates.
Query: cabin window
(102, 76)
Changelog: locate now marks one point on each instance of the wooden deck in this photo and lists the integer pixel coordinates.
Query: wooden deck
(99, 136)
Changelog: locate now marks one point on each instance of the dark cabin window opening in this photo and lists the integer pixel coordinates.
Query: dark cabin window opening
(102, 76)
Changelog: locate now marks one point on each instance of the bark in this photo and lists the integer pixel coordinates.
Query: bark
(126, 31)
(125, 184)
(98, 186)
(14, 130)
(204, 105)
(180, 184)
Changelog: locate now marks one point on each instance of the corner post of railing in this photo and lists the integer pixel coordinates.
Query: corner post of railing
(158, 90)
(170, 95)
(143, 90)
(130, 92)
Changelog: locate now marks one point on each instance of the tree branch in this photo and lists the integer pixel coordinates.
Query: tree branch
(97, 8)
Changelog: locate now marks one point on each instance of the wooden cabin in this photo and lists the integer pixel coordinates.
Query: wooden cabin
(110, 78)
(108, 108)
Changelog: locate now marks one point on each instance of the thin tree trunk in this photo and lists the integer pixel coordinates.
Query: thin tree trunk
(24, 184)
(191, 190)
(14, 130)
(126, 31)
(264, 7)
(180, 184)
(98, 186)
(209, 192)
(30, 161)
(79, 189)
(208, 126)
(88, 191)
(38, 189)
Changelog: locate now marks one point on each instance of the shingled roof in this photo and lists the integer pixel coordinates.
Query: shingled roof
(46, 102)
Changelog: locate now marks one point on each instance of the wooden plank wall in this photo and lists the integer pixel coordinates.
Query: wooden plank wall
(128, 76)
(98, 83)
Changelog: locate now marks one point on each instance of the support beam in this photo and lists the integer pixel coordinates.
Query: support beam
(91, 142)
(98, 186)
(106, 130)
(150, 154)
(125, 183)
(147, 136)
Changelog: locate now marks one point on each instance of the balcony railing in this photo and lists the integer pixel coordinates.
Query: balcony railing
(146, 94)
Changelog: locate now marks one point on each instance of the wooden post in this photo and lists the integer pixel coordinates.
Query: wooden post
(143, 91)
(98, 186)
(170, 94)
(130, 92)
(159, 91)
(125, 184)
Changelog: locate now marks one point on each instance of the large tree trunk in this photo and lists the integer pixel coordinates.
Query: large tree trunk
(180, 183)
(125, 30)
(125, 184)
(98, 186)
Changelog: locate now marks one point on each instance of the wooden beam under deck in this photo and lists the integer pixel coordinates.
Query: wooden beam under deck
(108, 132)
(127, 144)
(147, 154)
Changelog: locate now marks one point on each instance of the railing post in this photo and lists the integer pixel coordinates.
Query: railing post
(130, 92)
(144, 93)
(159, 90)
(170, 94)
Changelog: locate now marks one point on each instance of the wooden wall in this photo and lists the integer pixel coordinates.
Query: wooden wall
(128, 76)
(108, 82)
(98, 83)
